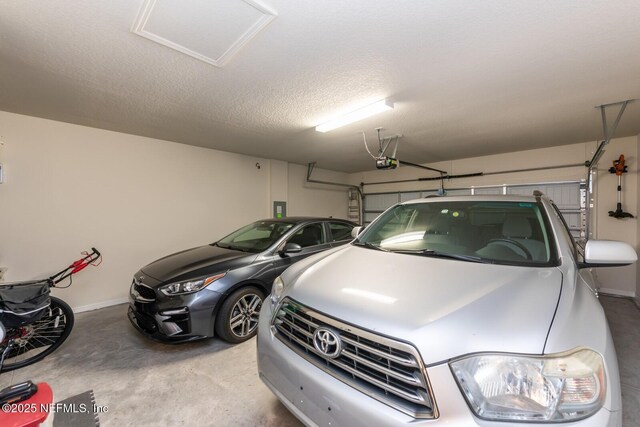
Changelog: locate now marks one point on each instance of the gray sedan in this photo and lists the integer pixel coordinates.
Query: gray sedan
(218, 289)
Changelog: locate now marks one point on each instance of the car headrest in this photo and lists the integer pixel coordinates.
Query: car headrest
(516, 226)
(438, 226)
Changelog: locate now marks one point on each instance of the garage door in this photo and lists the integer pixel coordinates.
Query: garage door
(570, 197)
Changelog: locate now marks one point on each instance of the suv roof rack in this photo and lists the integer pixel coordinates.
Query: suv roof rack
(537, 194)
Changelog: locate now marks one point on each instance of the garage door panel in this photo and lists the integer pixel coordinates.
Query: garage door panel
(488, 190)
(462, 192)
(523, 190)
(565, 196)
(572, 219)
(370, 216)
(411, 196)
(380, 202)
(568, 196)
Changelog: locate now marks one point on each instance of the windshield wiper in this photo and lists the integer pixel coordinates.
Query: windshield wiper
(369, 245)
(436, 254)
(234, 248)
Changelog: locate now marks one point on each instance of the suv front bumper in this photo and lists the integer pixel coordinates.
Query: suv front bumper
(319, 399)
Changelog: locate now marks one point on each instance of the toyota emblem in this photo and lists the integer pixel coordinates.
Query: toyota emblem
(327, 342)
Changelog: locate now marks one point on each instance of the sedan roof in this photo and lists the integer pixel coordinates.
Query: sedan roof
(301, 219)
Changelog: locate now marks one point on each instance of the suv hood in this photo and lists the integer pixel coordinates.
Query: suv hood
(196, 262)
(446, 308)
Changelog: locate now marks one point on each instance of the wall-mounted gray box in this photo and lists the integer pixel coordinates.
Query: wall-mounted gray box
(279, 209)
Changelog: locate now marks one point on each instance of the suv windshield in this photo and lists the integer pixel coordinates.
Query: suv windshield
(479, 231)
(255, 237)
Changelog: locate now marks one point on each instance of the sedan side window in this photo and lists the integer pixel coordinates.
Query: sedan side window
(340, 231)
(309, 235)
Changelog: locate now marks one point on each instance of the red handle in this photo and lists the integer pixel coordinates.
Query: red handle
(78, 265)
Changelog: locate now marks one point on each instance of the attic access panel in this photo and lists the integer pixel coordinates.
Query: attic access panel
(212, 31)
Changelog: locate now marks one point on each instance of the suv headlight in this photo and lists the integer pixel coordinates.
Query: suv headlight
(559, 387)
(276, 291)
(190, 286)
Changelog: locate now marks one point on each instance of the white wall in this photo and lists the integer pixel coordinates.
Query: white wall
(637, 213)
(623, 280)
(289, 184)
(278, 183)
(69, 187)
(619, 280)
(330, 200)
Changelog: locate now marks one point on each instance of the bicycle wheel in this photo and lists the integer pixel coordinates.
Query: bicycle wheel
(34, 342)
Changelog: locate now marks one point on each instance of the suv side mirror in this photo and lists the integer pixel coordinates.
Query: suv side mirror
(608, 253)
(290, 248)
(355, 231)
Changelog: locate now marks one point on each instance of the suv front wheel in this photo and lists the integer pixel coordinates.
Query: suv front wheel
(237, 319)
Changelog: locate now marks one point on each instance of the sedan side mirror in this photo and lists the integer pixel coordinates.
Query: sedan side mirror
(608, 253)
(290, 248)
(355, 231)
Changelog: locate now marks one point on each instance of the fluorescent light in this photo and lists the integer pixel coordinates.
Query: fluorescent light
(354, 116)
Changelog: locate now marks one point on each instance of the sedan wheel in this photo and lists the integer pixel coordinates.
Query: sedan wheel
(244, 318)
(237, 319)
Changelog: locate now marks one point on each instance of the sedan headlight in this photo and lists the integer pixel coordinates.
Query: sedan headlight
(190, 286)
(276, 291)
(560, 387)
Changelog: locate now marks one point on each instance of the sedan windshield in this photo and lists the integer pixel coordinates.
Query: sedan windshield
(475, 231)
(255, 237)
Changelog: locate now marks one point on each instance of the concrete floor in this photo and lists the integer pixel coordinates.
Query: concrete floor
(624, 321)
(144, 383)
(212, 383)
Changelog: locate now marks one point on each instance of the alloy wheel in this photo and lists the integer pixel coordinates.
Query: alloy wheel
(244, 315)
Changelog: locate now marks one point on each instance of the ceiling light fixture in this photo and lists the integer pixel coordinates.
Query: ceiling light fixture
(354, 116)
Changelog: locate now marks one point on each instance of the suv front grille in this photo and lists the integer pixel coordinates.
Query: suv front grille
(146, 293)
(385, 369)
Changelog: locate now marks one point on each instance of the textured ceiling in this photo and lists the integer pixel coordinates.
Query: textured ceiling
(467, 78)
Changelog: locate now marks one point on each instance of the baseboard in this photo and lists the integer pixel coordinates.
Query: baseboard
(617, 292)
(109, 303)
(99, 305)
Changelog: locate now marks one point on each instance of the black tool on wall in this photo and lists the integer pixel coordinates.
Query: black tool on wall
(619, 168)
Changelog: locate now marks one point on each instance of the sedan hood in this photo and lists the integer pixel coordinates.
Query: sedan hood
(446, 308)
(196, 262)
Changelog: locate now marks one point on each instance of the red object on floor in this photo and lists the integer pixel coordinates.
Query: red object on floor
(28, 413)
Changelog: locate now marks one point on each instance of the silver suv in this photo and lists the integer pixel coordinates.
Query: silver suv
(450, 311)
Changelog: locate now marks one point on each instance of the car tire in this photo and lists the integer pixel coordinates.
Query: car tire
(237, 320)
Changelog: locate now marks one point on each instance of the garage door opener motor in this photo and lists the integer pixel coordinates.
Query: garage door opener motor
(384, 160)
